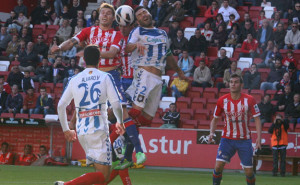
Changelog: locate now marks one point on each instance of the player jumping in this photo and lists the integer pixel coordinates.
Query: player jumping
(109, 42)
(150, 54)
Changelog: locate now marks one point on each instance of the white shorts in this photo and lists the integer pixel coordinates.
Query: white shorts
(97, 147)
(145, 91)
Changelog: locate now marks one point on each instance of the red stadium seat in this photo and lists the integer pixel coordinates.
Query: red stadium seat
(195, 92)
(210, 92)
(199, 20)
(198, 103)
(257, 94)
(40, 26)
(189, 124)
(242, 14)
(223, 91)
(283, 52)
(159, 113)
(189, 19)
(49, 87)
(257, 8)
(7, 115)
(297, 55)
(186, 113)
(211, 104)
(257, 60)
(157, 122)
(36, 32)
(55, 27)
(266, 126)
(201, 114)
(58, 88)
(297, 129)
(212, 51)
(183, 102)
(202, 10)
(22, 116)
(36, 87)
(291, 127)
(185, 24)
(203, 124)
(252, 126)
(271, 93)
(13, 63)
(165, 28)
(37, 116)
(243, 8)
(264, 73)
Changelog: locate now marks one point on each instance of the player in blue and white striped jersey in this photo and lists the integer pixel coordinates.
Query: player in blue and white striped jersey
(150, 54)
(91, 89)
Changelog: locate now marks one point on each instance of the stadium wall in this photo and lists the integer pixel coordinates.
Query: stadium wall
(188, 148)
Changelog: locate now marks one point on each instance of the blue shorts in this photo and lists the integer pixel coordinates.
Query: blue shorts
(116, 76)
(228, 147)
(126, 82)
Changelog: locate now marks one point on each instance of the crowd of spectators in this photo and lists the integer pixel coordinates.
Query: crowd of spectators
(27, 158)
(251, 35)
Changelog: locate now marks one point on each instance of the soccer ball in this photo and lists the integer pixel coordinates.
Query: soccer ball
(124, 15)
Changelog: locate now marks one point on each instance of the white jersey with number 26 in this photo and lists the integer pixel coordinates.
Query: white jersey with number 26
(90, 90)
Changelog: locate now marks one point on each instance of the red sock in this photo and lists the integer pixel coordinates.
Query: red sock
(113, 175)
(128, 123)
(88, 179)
(113, 136)
(124, 175)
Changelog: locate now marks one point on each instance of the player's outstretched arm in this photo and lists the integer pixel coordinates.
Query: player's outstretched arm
(113, 51)
(67, 45)
(213, 126)
(258, 130)
(173, 64)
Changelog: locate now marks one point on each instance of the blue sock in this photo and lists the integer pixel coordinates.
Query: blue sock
(133, 136)
(250, 180)
(217, 177)
(128, 150)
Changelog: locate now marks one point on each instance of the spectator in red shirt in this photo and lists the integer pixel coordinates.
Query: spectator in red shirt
(289, 59)
(6, 157)
(212, 11)
(6, 86)
(29, 102)
(249, 47)
(27, 158)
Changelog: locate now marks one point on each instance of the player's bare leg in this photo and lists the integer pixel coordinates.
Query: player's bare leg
(217, 174)
(250, 177)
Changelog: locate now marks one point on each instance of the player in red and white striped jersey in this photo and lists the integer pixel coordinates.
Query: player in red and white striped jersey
(109, 42)
(238, 108)
(237, 115)
(127, 68)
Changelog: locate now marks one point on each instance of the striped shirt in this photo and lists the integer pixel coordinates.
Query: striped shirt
(105, 40)
(157, 47)
(90, 90)
(126, 63)
(237, 115)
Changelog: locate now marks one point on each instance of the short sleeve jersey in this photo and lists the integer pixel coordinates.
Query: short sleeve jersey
(237, 115)
(157, 47)
(90, 90)
(105, 40)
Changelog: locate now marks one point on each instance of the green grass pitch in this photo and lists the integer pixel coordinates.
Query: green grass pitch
(46, 175)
